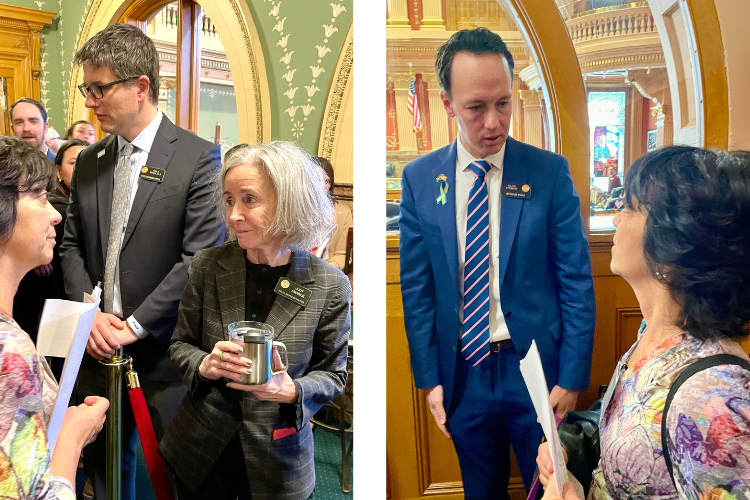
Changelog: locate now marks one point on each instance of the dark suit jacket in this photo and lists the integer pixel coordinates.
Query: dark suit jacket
(316, 337)
(546, 287)
(168, 223)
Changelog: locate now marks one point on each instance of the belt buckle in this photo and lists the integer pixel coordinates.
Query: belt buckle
(500, 345)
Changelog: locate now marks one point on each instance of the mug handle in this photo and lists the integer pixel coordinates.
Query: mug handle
(286, 358)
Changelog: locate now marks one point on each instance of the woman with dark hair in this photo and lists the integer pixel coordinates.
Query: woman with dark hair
(682, 243)
(334, 250)
(83, 130)
(46, 281)
(65, 161)
(27, 387)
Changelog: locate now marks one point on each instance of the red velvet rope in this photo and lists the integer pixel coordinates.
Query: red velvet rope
(156, 469)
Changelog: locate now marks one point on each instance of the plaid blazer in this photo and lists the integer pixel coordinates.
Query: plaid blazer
(316, 338)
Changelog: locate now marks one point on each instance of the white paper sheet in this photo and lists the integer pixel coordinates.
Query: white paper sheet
(533, 376)
(63, 332)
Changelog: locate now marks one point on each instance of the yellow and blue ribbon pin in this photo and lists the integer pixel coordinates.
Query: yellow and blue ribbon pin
(443, 180)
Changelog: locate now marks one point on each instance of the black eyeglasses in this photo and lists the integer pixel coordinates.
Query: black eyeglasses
(97, 91)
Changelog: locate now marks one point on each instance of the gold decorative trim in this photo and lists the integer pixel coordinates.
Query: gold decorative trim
(333, 106)
(253, 70)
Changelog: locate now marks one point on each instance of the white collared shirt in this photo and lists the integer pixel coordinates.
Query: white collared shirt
(464, 181)
(141, 149)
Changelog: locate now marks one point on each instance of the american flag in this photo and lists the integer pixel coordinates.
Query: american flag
(413, 105)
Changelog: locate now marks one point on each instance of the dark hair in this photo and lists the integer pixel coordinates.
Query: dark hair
(29, 100)
(23, 168)
(698, 233)
(69, 133)
(66, 146)
(477, 41)
(326, 166)
(127, 51)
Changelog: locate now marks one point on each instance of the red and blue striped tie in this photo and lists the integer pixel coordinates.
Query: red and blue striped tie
(475, 341)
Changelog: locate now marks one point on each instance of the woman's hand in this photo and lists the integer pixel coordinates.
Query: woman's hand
(569, 493)
(85, 421)
(225, 361)
(80, 426)
(544, 463)
(280, 388)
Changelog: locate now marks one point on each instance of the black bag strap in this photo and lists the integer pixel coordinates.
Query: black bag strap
(692, 369)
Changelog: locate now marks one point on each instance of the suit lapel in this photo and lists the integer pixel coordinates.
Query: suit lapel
(159, 157)
(230, 286)
(284, 310)
(105, 181)
(445, 215)
(514, 171)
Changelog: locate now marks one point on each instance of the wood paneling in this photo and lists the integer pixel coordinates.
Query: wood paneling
(189, 30)
(420, 460)
(19, 54)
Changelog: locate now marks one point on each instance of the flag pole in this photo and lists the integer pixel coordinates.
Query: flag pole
(416, 110)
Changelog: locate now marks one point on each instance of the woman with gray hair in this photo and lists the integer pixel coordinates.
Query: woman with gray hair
(229, 439)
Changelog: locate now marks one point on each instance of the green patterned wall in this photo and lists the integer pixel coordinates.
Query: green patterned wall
(301, 41)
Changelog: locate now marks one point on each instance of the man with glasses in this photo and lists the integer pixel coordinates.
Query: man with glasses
(28, 119)
(52, 140)
(141, 206)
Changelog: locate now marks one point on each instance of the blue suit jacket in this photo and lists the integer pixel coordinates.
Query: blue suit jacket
(546, 289)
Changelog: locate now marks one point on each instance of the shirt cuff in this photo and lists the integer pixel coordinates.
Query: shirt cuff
(139, 331)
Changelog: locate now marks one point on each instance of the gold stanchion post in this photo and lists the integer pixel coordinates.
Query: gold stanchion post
(114, 423)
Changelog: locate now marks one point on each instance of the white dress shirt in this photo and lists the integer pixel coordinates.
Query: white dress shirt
(141, 149)
(464, 181)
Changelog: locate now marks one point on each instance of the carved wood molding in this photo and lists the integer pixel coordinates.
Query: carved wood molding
(23, 18)
(20, 47)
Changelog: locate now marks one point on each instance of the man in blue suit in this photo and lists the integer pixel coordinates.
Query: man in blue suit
(493, 256)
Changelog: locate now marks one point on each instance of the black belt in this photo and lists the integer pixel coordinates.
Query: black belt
(501, 345)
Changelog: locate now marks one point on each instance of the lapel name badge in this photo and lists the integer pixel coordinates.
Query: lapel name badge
(443, 180)
(512, 190)
(100, 153)
(293, 291)
(152, 174)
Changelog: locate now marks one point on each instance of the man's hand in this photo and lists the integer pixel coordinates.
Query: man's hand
(562, 400)
(43, 270)
(124, 336)
(102, 342)
(435, 400)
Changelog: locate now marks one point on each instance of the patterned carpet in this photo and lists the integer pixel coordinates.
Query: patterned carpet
(327, 471)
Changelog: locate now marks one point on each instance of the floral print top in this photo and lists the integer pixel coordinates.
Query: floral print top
(708, 422)
(27, 397)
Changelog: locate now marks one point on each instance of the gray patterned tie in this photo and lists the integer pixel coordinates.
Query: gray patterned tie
(120, 205)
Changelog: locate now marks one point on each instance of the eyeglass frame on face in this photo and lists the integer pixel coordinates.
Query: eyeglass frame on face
(87, 89)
